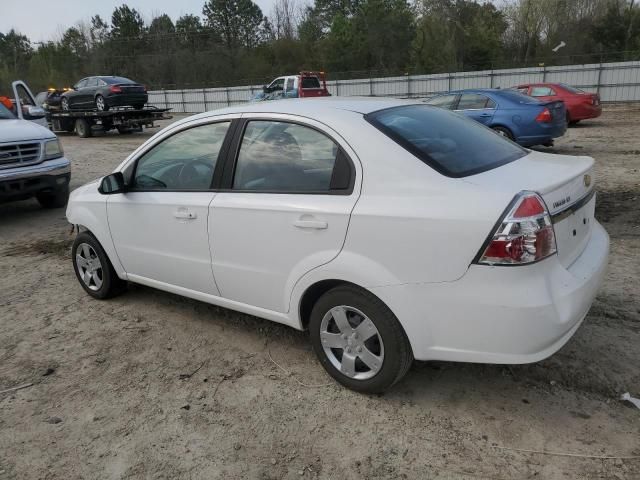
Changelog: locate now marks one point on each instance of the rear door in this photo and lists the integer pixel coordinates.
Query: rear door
(284, 209)
(479, 107)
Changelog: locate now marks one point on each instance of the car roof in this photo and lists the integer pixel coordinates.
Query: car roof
(316, 108)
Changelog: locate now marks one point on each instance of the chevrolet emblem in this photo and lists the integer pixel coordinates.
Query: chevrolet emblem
(586, 180)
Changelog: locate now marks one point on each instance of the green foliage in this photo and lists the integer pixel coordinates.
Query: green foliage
(234, 43)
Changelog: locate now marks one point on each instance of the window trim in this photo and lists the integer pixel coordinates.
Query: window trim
(229, 170)
(220, 161)
(426, 158)
(487, 97)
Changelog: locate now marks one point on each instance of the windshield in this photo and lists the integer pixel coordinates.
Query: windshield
(450, 143)
(5, 113)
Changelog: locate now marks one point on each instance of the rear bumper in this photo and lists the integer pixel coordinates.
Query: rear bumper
(543, 134)
(126, 100)
(584, 111)
(24, 182)
(501, 314)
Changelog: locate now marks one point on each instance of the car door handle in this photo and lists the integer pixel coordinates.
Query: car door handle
(315, 224)
(184, 214)
(486, 114)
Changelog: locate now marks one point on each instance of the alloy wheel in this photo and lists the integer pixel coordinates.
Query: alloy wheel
(351, 342)
(89, 266)
(100, 103)
(65, 104)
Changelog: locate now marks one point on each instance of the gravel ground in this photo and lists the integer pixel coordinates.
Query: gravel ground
(151, 385)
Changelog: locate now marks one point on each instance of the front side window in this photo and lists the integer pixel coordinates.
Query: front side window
(472, 101)
(542, 92)
(81, 84)
(284, 157)
(5, 113)
(277, 84)
(443, 101)
(451, 143)
(184, 161)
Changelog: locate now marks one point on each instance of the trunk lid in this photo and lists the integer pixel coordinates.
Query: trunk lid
(558, 111)
(566, 183)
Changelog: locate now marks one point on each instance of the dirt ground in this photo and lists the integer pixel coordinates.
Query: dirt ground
(152, 385)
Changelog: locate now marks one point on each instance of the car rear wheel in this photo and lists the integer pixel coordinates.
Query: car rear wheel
(64, 103)
(358, 340)
(503, 132)
(101, 104)
(93, 268)
(83, 128)
(139, 106)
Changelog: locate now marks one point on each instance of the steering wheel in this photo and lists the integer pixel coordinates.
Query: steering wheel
(190, 177)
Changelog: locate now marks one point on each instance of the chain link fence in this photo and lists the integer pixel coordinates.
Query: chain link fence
(614, 82)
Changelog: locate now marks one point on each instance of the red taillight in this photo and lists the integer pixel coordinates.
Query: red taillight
(115, 89)
(544, 116)
(525, 234)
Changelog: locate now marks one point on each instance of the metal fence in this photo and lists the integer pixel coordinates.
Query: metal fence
(615, 82)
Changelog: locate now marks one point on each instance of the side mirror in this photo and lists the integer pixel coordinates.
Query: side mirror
(33, 113)
(112, 184)
(265, 89)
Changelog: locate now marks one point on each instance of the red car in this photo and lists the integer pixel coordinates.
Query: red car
(580, 105)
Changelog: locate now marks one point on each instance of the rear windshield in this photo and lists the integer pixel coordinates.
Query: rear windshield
(5, 113)
(449, 142)
(516, 96)
(310, 82)
(114, 80)
(571, 89)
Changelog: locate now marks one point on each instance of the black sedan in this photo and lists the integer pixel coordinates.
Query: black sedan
(102, 93)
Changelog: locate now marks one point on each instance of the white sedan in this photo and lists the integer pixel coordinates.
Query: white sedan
(390, 230)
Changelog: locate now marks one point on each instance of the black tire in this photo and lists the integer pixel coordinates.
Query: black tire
(111, 284)
(573, 122)
(139, 106)
(101, 103)
(398, 356)
(504, 131)
(124, 130)
(55, 199)
(83, 128)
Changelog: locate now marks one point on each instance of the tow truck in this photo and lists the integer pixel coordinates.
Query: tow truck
(86, 122)
(304, 85)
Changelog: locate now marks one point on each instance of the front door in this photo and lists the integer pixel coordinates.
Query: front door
(285, 211)
(159, 227)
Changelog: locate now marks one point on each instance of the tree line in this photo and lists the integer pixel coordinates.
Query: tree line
(233, 42)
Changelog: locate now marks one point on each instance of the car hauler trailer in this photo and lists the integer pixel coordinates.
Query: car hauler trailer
(85, 123)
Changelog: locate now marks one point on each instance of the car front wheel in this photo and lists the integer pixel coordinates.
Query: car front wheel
(93, 268)
(358, 340)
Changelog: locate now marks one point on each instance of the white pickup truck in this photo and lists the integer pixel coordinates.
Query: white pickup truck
(32, 163)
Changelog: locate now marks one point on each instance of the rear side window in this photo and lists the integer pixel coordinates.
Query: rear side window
(450, 143)
(310, 82)
(284, 157)
(571, 89)
(472, 101)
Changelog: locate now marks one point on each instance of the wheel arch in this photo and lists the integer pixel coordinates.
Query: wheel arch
(92, 219)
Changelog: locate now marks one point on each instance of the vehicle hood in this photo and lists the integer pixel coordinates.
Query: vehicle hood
(22, 130)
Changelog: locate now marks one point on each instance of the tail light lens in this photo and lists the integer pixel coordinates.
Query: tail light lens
(525, 234)
(115, 89)
(544, 116)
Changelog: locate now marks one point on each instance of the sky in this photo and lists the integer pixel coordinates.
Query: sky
(43, 20)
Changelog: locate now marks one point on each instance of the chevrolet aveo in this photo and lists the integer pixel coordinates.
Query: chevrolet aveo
(390, 230)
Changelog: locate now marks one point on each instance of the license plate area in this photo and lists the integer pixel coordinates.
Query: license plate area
(573, 232)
